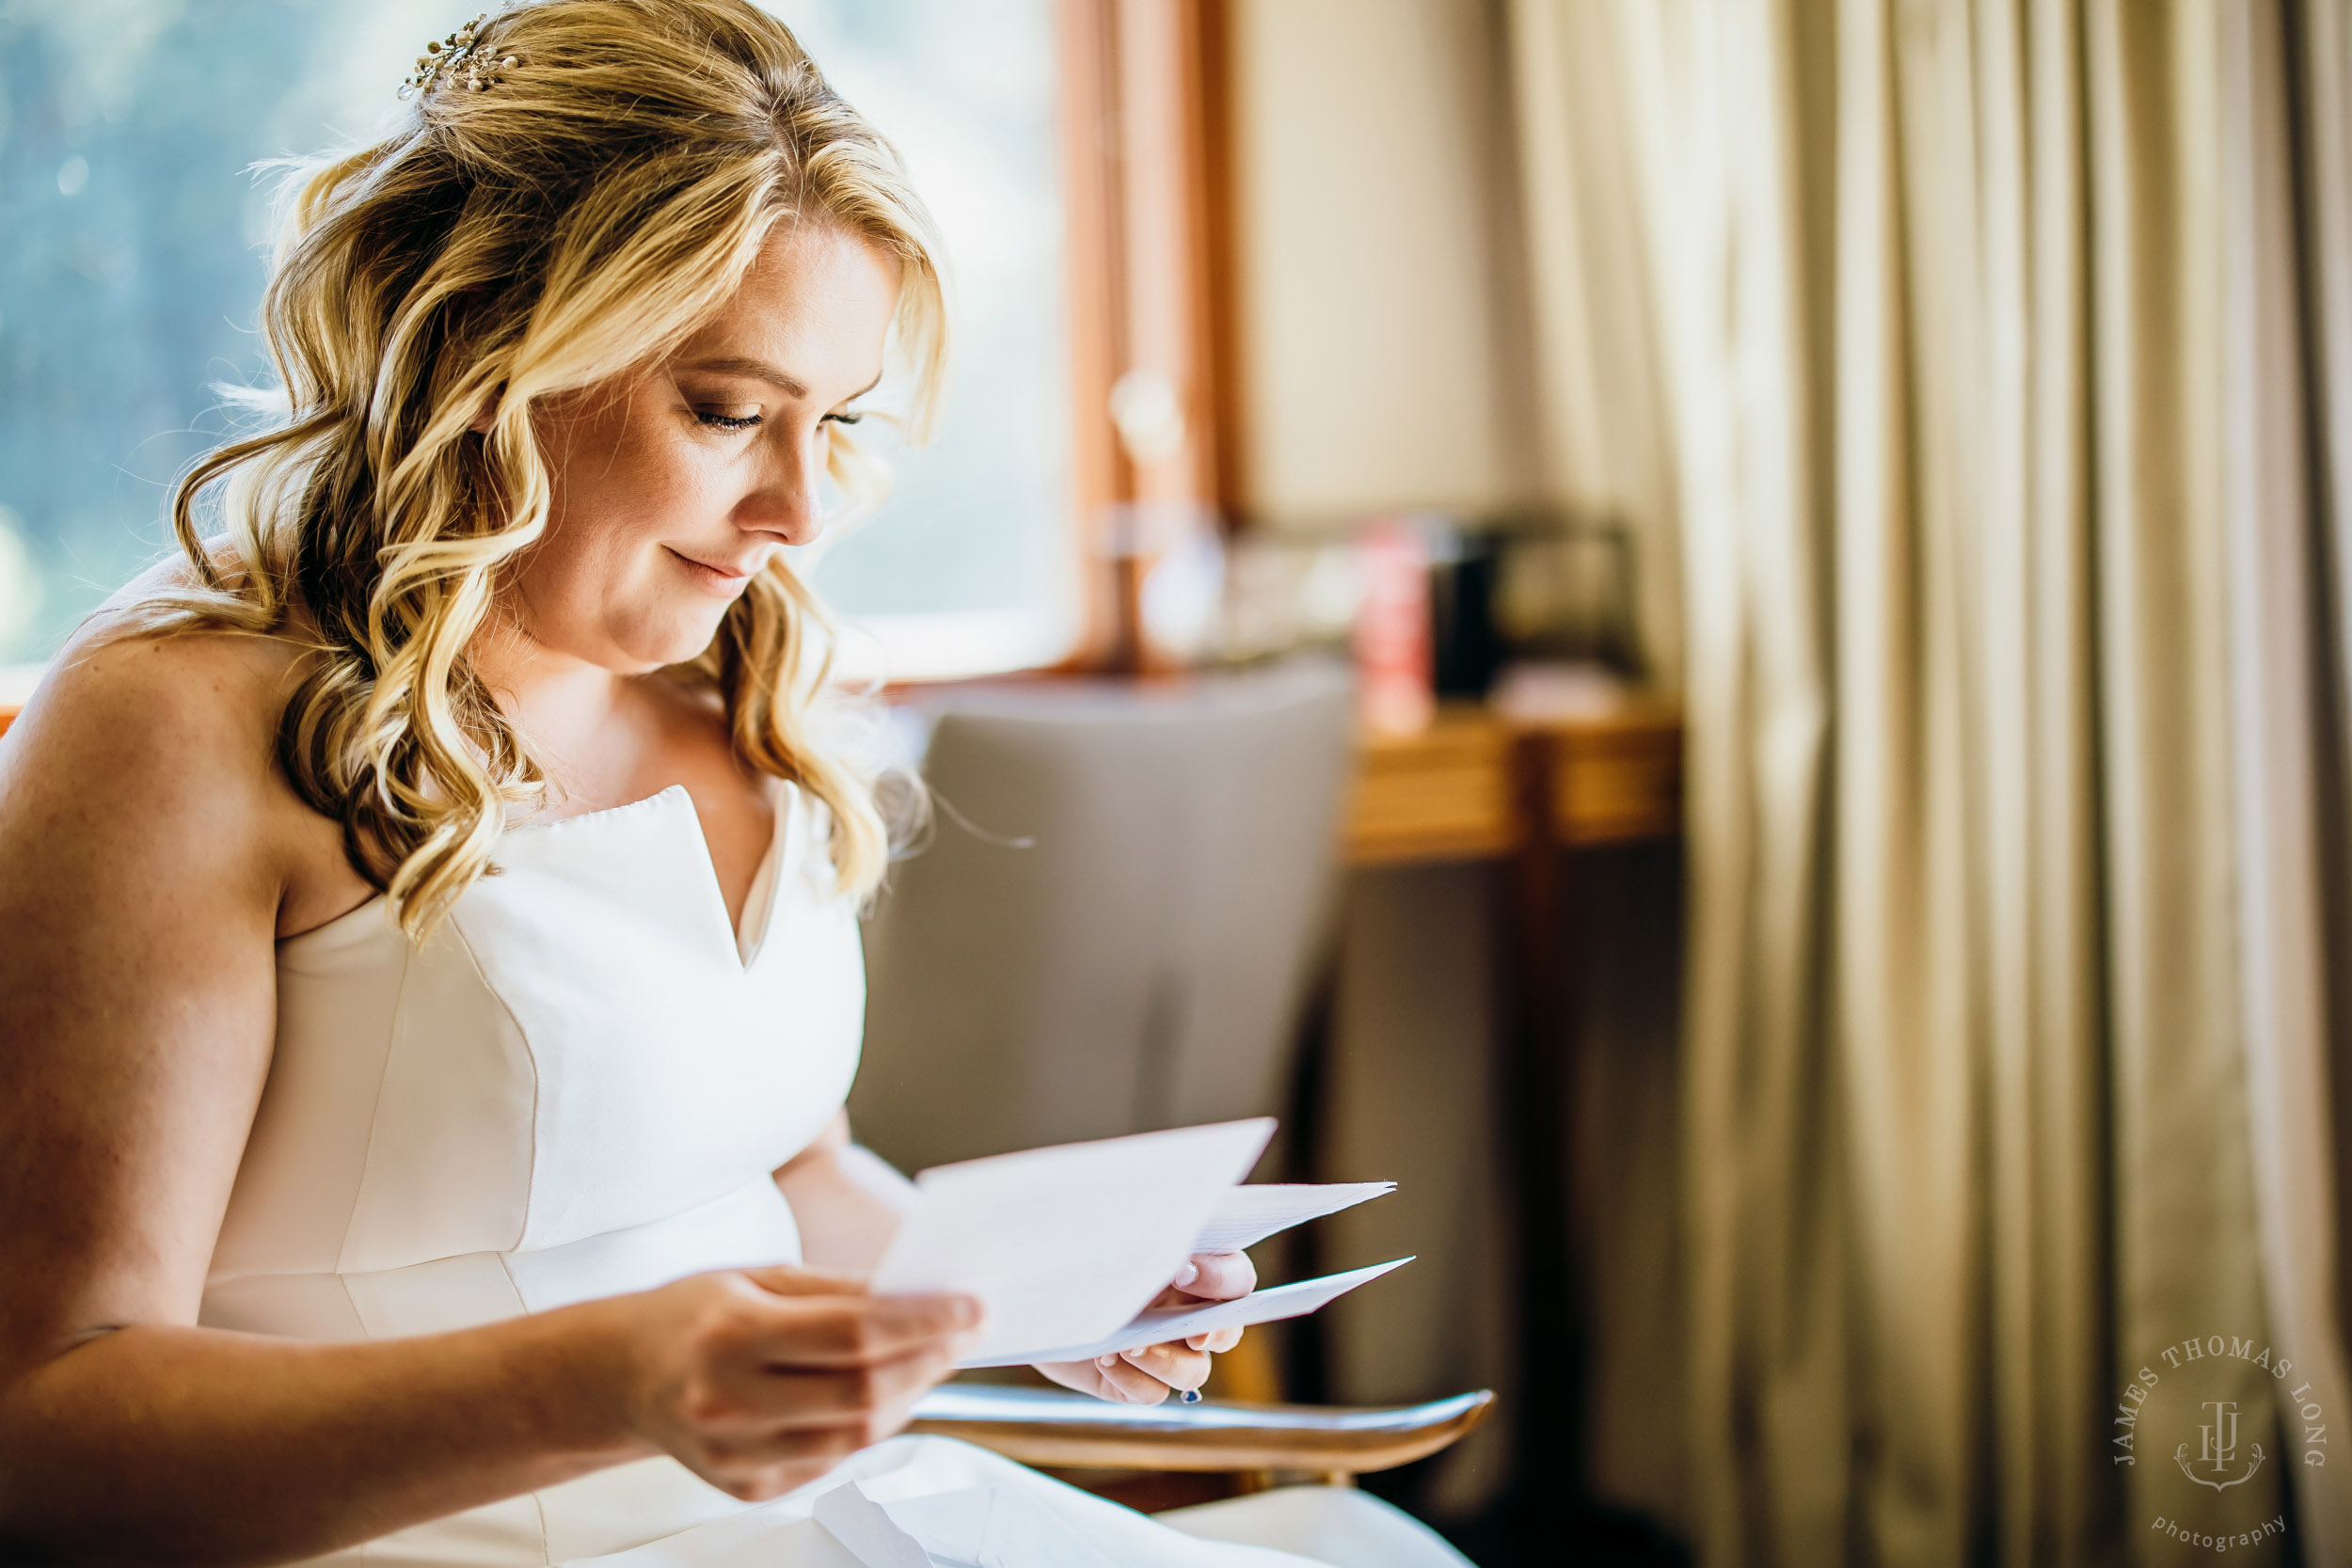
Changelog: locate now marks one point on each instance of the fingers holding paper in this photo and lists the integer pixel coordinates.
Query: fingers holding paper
(1149, 1375)
(1211, 1276)
(761, 1380)
(1144, 1377)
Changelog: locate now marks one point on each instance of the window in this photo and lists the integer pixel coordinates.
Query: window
(130, 269)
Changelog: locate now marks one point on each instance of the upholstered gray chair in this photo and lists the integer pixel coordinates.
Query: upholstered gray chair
(1111, 932)
(1114, 923)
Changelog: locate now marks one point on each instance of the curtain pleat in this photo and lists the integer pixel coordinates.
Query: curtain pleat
(2324, 36)
(1989, 336)
(2321, 36)
(2285, 705)
(2184, 1257)
(2054, 1489)
(1767, 1325)
(1600, 452)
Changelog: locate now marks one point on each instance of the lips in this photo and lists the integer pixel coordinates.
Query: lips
(726, 576)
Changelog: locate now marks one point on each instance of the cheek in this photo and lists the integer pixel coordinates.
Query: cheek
(614, 507)
(600, 584)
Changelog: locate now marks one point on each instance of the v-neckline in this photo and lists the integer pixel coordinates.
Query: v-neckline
(759, 899)
(759, 903)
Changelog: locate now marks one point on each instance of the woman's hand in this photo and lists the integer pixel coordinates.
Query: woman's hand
(761, 1380)
(1145, 1376)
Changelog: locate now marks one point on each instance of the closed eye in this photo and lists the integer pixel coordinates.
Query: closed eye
(727, 421)
(841, 418)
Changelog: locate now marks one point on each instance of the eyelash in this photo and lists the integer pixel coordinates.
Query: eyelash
(745, 422)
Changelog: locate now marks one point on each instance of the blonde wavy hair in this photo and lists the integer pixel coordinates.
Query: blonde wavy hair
(570, 225)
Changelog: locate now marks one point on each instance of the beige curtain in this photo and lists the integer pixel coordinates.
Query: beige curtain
(2004, 360)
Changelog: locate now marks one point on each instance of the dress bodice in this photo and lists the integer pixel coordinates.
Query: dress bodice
(578, 1085)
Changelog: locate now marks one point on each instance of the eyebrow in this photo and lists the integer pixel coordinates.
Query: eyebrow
(760, 370)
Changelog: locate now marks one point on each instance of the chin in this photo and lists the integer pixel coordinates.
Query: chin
(679, 640)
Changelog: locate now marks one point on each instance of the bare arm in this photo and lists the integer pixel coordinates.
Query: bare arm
(147, 861)
(847, 1199)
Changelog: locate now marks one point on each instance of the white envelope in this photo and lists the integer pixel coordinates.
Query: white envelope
(1064, 1244)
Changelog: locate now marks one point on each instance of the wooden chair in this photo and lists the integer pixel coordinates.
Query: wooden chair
(1249, 1447)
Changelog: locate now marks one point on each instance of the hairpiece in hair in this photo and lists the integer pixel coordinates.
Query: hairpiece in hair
(459, 58)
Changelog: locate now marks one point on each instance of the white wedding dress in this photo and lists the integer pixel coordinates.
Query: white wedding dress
(579, 1087)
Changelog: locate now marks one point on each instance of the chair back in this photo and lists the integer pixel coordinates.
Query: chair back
(1112, 927)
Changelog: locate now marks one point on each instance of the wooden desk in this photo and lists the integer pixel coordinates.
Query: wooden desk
(1478, 785)
(1481, 784)
(1445, 794)
(1453, 792)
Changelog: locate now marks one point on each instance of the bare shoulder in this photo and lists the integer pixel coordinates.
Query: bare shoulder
(187, 710)
(156, 745)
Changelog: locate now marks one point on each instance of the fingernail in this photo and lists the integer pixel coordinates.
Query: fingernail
(1107, 1360)
(1190, 1272)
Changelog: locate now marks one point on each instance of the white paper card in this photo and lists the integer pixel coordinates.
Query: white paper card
(1064, 1244)
(1163, 1323)
(871, 1535)
(972, 1526)
(994, 1527)
(1247, 1215)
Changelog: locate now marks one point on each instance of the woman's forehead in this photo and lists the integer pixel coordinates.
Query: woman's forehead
(816, 292)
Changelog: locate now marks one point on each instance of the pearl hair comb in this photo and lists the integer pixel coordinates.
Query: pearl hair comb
(459, 58)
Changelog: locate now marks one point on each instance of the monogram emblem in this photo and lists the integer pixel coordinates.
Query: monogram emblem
(2220, 1450)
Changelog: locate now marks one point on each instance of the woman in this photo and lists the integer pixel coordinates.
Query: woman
(429, 908)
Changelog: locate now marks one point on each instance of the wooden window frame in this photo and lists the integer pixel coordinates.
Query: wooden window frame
(1146, 134)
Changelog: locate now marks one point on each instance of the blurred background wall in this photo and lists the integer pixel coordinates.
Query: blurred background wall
(1366, 199)
(1441, 278)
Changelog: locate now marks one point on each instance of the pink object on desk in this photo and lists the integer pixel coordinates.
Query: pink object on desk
(1394, 677)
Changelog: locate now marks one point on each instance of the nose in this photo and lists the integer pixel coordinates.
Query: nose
(783, 499)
